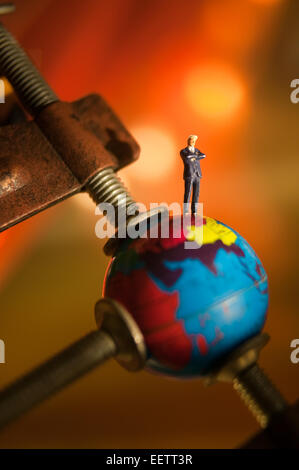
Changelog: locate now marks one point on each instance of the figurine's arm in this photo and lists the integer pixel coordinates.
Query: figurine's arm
(187, 158)
(200, 155)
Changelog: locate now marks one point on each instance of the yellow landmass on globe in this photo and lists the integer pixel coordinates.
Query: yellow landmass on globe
(210, 232)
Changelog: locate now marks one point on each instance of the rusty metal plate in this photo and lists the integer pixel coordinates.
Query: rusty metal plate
(32, 175)
(97, 116)
(88, 136)
(47, 160)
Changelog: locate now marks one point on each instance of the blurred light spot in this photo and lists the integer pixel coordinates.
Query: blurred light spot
(158, 154)
(214, 91)
(84, 201)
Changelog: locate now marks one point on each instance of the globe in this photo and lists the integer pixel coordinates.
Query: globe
(196, 292)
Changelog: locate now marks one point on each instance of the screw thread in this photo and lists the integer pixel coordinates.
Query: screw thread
(32, 90)
(107, 187)
(259, 394)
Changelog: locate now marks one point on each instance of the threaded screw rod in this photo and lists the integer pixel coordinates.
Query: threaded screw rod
(32, 90)
(259, 394)
(58, 372)
(240, 368)
(107, 187)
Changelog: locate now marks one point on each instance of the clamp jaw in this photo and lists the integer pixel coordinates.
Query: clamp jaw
(60, 152)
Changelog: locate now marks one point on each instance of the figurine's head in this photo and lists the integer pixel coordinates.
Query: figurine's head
(192, 139)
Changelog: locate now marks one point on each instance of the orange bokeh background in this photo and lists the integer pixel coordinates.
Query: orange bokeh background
(169, 69)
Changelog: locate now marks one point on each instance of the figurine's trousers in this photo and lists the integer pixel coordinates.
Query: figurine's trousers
(192, 183)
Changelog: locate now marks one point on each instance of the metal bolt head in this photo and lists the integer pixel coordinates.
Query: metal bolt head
(114, 319)
(239, 360)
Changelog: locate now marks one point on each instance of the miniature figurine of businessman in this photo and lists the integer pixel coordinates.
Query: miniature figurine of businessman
(192, 172)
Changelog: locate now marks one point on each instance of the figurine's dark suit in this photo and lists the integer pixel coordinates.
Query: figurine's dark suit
(192, 175)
